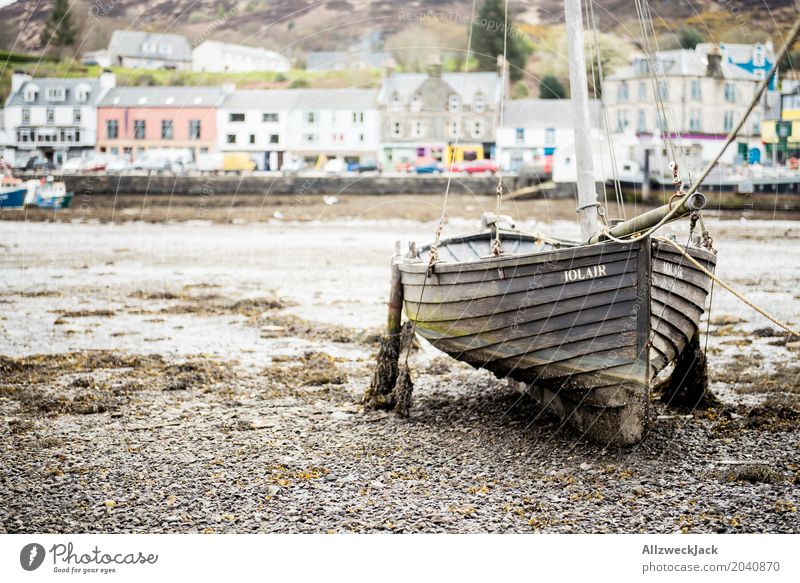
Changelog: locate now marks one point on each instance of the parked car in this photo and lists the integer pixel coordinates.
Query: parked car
(367, 165)
(476, 167)
(335, 166)
(293, 165)
(427, 166)
(38, 164)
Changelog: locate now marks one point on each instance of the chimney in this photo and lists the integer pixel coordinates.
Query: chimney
(18, 78)
(714, 64)
(108, 80)
(435, 67)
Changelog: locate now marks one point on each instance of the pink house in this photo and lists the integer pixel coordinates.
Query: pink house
(131, 120)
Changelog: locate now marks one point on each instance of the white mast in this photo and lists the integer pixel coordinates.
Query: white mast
(579, 90)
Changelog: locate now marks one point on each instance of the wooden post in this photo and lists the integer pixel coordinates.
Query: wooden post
(380, 393)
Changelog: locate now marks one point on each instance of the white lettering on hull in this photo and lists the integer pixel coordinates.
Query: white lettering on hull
(585, 273)
(673, 270)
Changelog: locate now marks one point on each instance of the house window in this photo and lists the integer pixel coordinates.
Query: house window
(311, 117)
(642, 91)
(641, 122)
(622, 120)
(549, 137)
(358, 117)
(309, 138)
(269, 117)
(194, 129)
(230, 139)
(235, 117)
(756, 123)
(55, 94)
(51, 115)
(519, 135)
(479, 104)
(622, 92)
(395, 104)
(26, 116)
(166, 129)
(453, 129)
(477, 129)
(361, 138)
(138, 129)
(662, 90)
(76, 116)
(416, 103)
(730, 93)
(694, 120)
(274, 139)
(112, 129)
(252, 138)
(454, 104)
(697, 93)
(417, 129)
(397, 129)
(728, 122)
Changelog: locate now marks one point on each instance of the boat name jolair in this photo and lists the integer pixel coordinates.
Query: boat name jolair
(585, 273)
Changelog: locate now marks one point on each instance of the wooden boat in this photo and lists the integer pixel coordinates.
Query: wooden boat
(12, 196)
(52, 195)
(589, 326)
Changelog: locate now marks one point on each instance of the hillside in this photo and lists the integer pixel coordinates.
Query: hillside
(296, 26)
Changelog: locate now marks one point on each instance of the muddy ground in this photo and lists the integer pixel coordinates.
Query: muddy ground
(165, 372)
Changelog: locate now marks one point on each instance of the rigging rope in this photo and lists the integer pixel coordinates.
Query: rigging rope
(434, 255)
(497, 248)
(727, 287)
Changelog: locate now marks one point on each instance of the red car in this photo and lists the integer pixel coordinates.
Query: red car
(477, 167)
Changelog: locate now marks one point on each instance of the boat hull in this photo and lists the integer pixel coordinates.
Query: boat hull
(592, 323)
(13, 197)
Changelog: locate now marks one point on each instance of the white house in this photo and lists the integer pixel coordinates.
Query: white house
(217, 57)
(313, 124)
(149, 50)
(534, 129)
(703, 94)
(55, 118)
(255, 122)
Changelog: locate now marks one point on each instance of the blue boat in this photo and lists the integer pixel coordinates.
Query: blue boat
(13, 196)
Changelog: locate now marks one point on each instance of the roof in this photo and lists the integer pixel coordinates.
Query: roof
(681, 63)
(551, 113)
(69, 84)
(255, 52)
(149, 45)
(163, 97)
(737, 52)
(304, 99)
(467, 85)
(326, 60)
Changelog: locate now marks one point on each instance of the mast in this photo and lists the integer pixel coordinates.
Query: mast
(579, 91)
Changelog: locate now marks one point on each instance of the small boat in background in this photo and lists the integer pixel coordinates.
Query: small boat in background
(52, 195)
(12, 192)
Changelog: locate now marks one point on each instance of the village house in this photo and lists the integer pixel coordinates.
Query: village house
(444, 116)
(703, 95)
(781, 135)
(132, 120)
(148, 50)
(54, 118)
(534, 129)
(255, 122)
(218, 57)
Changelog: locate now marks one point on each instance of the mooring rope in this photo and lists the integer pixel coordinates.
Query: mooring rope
(728, 287)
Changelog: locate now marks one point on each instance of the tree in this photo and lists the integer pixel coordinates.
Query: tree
(551, 88)
(520, 91)
(487, 40)
(59, 30)
(689, 37)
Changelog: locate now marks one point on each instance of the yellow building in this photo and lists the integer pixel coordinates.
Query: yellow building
(784, 134)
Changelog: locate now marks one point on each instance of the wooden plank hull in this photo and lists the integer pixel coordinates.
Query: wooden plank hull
(584, 320)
